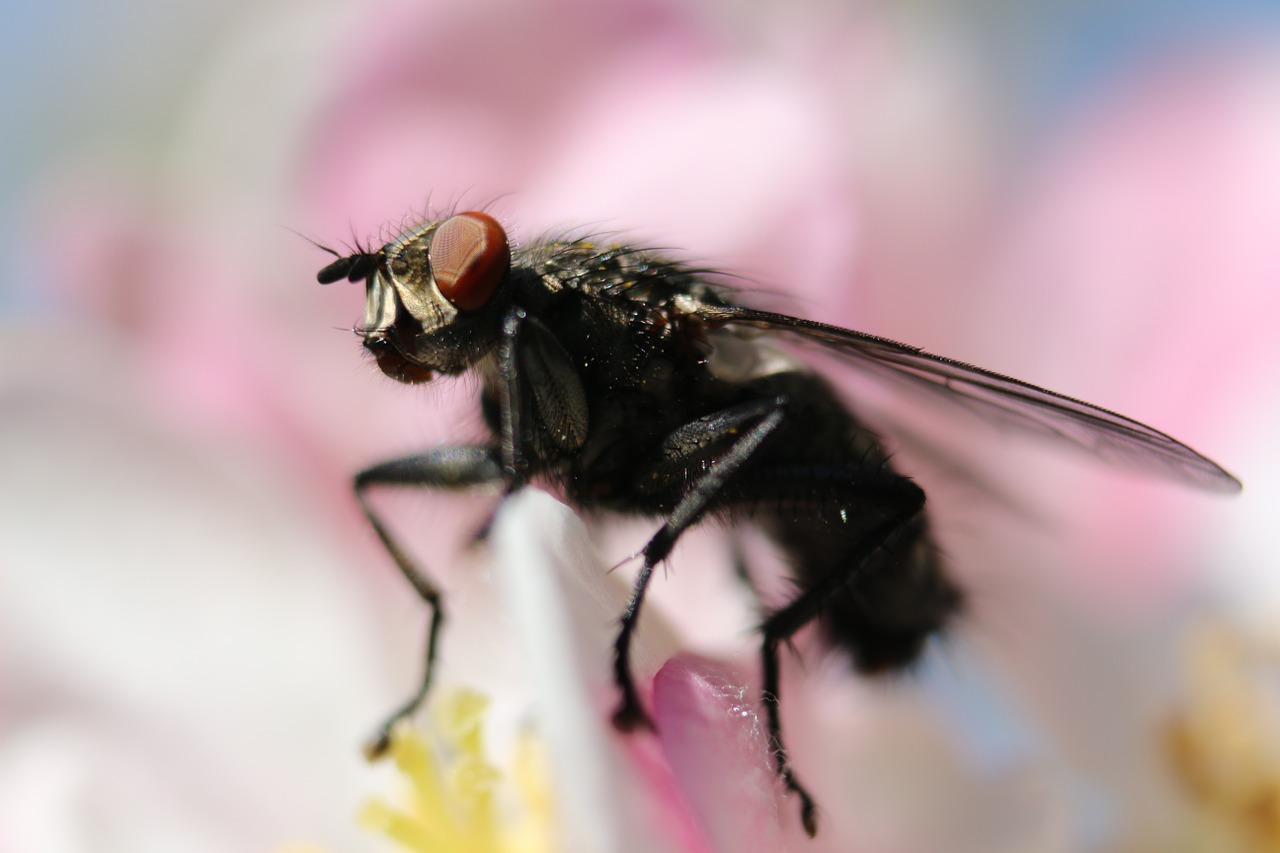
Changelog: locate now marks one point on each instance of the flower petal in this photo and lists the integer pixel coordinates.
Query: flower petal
(717, 747)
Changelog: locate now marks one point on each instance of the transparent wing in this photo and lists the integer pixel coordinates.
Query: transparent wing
(1110, 436)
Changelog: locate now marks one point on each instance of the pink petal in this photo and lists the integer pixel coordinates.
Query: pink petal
(716, 745)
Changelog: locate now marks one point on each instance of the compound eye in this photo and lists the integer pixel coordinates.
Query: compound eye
(470, 255)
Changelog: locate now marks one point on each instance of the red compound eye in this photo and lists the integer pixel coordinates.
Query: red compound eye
(469, 256)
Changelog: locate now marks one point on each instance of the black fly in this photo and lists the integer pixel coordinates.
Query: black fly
(631, 383)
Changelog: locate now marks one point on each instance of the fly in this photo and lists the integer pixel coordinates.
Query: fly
(633, 383)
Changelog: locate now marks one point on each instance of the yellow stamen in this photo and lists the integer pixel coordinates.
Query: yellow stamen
(1225, 743)
(457, 802)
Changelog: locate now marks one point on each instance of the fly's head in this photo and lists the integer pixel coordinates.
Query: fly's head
(434, 295)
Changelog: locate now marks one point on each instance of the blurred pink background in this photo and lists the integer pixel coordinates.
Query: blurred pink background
(195, 627)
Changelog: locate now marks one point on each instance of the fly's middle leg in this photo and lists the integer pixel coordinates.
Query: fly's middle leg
(716, 445)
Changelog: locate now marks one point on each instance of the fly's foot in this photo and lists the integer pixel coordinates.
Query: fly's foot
(376, 747)
(808, 811)
(631, 717)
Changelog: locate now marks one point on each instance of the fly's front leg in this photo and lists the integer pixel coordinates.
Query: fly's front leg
(700, 444)
(540, 396)
(510, 400)
(445, 468)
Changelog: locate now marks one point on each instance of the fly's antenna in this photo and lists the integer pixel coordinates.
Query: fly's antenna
(354, 267)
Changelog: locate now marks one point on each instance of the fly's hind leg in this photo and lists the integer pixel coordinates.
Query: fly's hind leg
(443, 468)
(901, 501)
